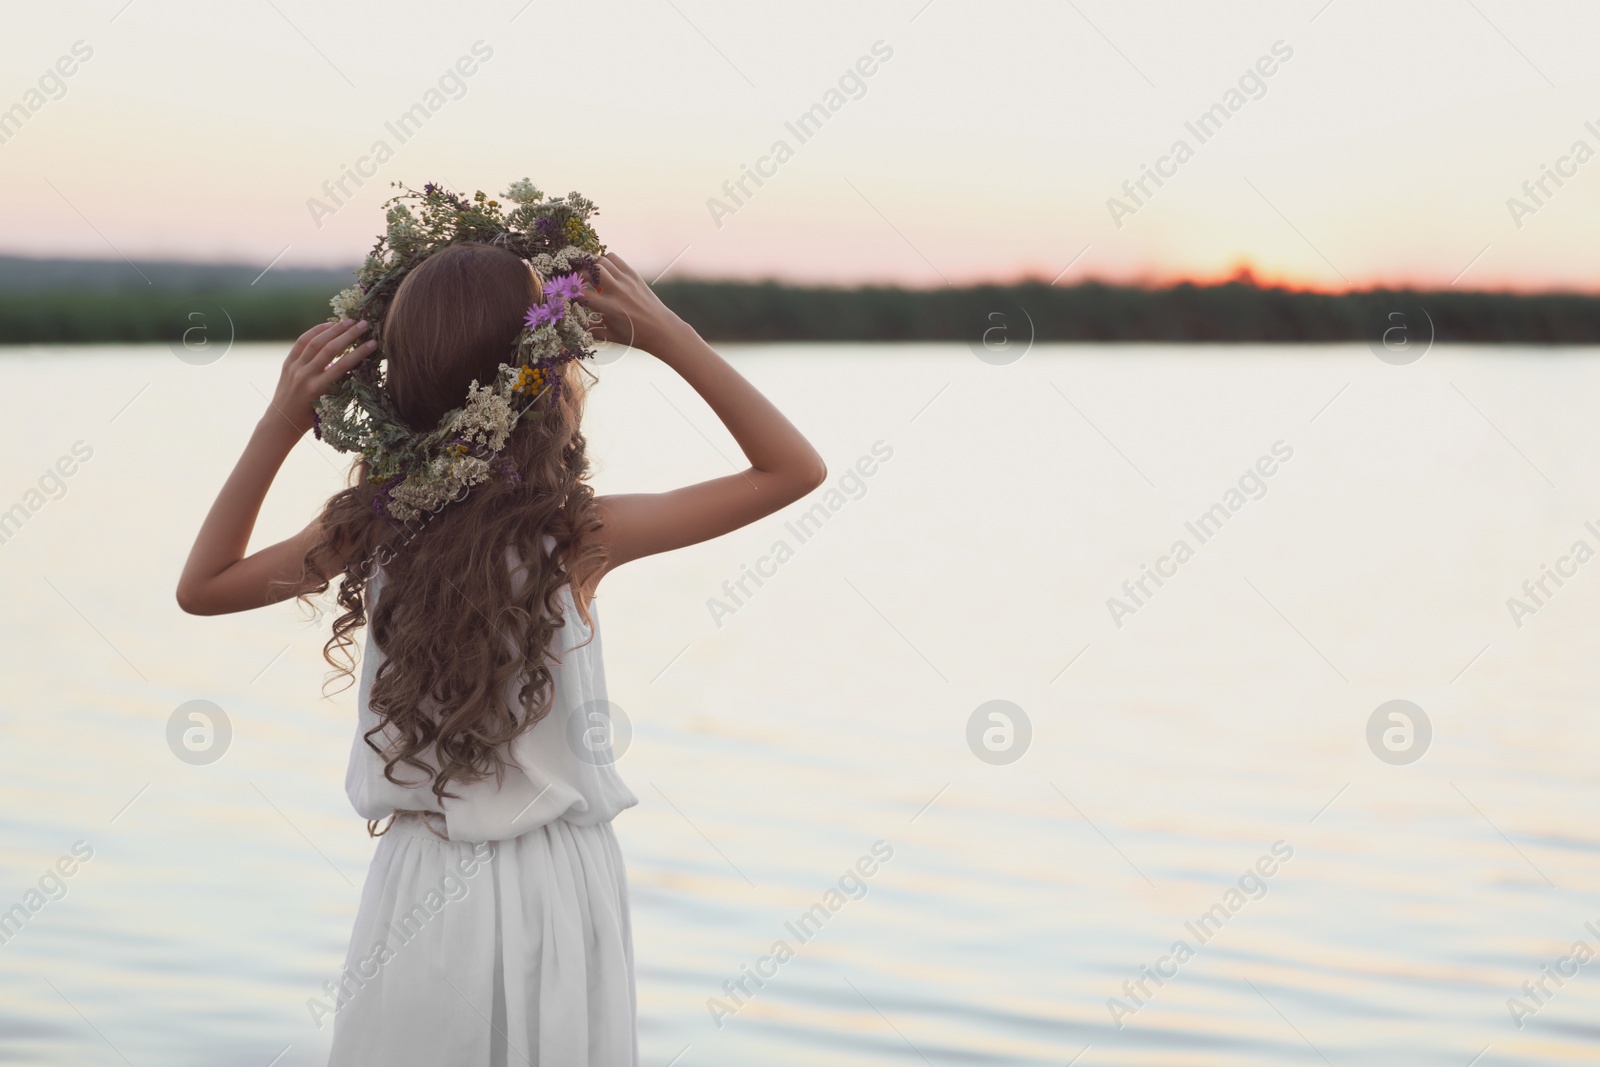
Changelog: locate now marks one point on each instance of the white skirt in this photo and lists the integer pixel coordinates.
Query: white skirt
(494, 954)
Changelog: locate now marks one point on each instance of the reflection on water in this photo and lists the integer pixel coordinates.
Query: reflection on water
(1198, 860)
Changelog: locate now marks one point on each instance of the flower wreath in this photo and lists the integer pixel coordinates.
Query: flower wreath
(421, 472)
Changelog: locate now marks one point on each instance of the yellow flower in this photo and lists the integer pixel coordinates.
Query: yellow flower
(528, 379)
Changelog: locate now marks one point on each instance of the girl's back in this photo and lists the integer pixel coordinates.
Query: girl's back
(560, 768)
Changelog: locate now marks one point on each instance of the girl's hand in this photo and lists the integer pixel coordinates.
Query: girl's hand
(634, 315)
(313, 365)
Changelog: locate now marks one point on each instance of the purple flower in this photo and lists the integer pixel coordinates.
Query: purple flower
(569, 286)
(549, 311)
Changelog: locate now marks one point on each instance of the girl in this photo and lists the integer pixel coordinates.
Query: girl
(493, 927)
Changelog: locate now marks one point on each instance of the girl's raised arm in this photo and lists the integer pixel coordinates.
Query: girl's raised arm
(218, 577)
(783, 465)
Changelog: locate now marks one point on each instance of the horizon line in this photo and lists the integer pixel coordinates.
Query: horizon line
(1241, 274)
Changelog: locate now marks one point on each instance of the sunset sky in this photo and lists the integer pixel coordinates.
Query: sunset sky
(985, 143)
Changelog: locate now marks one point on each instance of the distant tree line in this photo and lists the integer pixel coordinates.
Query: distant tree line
(1231, 312)
(64, 301)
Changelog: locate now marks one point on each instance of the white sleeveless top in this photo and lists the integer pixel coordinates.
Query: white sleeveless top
(560, 768)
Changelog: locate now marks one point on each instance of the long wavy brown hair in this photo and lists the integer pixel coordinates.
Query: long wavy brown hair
(470, 600)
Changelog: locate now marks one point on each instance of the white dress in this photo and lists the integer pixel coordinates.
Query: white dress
(508, 943)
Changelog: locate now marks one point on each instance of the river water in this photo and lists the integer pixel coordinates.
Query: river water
(1190, 837)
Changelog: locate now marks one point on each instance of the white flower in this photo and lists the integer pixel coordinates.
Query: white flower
(345, 304)
(487, 417)
(523, 192)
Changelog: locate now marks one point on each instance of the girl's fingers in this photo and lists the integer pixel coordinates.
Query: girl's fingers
(619, 264)
(306, 352)
(309, 334)
(335, 343)
(344, 364)
(298, 349)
